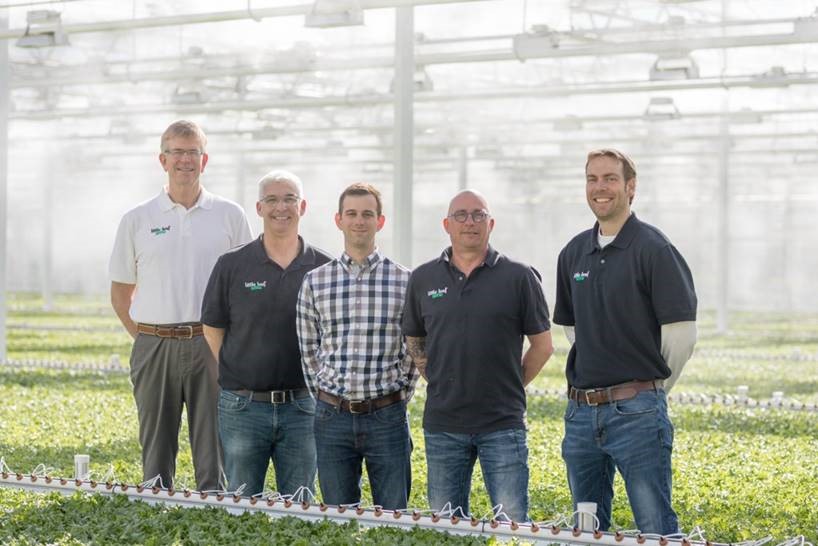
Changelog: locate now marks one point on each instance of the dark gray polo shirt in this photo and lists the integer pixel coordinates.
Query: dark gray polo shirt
(254, 300)
(474, 328)
(617, 298)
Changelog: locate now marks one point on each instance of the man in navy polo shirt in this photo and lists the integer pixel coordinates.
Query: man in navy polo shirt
(465, 317)
(265, 409)
(626, 298)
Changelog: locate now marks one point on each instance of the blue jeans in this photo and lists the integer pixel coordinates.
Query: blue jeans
(254, 432)
(381, 438)
(503, 457)
(634, 436)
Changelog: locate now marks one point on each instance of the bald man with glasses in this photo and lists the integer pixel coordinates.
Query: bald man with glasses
(465, 317)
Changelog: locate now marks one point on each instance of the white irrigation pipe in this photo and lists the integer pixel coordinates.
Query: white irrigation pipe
(370, 517)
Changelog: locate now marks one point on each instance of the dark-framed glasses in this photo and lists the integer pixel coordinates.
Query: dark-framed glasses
(178, 153)
(477, 216)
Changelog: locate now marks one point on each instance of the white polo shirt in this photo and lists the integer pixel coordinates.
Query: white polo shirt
(168, 252)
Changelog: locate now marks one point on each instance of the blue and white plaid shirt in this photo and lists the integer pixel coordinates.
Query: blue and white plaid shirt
(349, 328)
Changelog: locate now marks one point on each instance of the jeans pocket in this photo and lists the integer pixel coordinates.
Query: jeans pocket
(230, 401)
(324, 412)
(394, 414)
(643, 403)
(305, 405)
(570, 410)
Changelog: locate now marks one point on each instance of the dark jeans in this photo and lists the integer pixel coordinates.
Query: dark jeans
(344, 440)
(254, 432)
(503, 457)
(634, 436)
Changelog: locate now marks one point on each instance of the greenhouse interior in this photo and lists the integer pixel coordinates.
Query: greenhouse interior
(716, 102)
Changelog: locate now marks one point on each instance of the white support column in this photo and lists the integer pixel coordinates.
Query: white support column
(404, 129)
(723, 225)
(46, 270)
(4, 142)
(463, 169)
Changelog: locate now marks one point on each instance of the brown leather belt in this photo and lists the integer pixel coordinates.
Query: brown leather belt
(362, 406)
(175, 331)
(273, 397)
(614, 393)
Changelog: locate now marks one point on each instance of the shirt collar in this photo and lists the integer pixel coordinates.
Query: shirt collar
(371, 261)
(306, 255)
(204, 201)
(623, 238)
(492, 256)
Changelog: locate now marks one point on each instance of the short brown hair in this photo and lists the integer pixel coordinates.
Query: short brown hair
(183, 128)
(361, 189)
(628, 168)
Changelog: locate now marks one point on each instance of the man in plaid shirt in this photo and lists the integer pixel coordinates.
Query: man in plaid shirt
(355, 363)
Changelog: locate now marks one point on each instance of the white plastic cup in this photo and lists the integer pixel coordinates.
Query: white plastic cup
(82, 465)
(586, 512)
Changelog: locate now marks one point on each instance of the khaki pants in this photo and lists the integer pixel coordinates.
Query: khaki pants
(167, 374)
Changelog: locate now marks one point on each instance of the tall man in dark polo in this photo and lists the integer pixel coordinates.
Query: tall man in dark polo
(265, 409)
(354, 360)
(626, 298)
(466, 314)
(164, 252)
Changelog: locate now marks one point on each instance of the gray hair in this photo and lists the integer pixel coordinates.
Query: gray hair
(280, 176)
(183, 128)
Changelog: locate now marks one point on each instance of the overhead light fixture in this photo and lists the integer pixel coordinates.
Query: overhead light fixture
(746, 115)
(334, 13)
(674, 67)
(568, 123)
(661, 108)
(43, 29)
(536, 43)
(188, 94)
(421, 79)
(806, 27)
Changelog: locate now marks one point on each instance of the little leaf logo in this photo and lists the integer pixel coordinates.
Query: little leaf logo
(580, 276)
(437, 293)
(255, 286)
(160, 230)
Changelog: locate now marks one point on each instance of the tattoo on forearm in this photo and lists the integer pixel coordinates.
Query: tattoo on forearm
(417, 348)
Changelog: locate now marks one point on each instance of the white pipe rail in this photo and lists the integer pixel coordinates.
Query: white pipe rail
(376, 516)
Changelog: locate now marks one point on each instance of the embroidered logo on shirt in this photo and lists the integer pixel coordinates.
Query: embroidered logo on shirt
(255, 286)
(160, 230)
(437, 293)
(580, 276)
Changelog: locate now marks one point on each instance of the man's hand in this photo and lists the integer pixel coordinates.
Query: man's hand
(121, 296)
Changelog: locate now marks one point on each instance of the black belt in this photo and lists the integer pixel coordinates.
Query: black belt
(614, 393)
(362, 406)
(273, 397)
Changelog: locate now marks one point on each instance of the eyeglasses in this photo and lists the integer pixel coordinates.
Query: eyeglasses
(179, 154)
(288, 200)
(478, 216)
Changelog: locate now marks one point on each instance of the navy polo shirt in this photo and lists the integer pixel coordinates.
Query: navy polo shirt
(253, 299)
(474, 328)
(617, 298)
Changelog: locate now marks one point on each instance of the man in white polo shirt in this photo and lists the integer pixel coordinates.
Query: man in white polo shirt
(164, 252)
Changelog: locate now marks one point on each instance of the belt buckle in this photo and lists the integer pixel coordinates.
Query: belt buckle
(588, 400)
(189, 328)
(278, 397)
(360, 403)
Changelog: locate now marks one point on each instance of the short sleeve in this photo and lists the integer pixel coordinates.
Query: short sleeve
(534, 307)
(671, 284)
(563, 306)
(122, 265)
(412, 321)
(215, 306)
